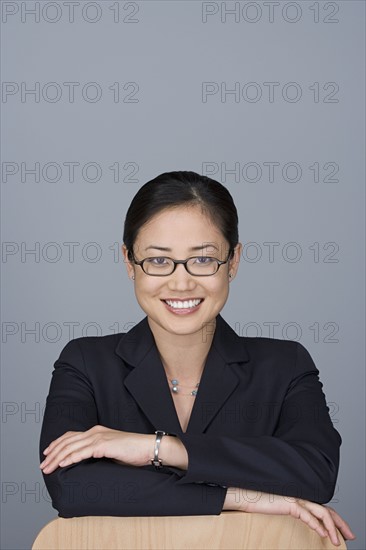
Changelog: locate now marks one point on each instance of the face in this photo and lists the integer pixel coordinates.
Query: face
(180, 233)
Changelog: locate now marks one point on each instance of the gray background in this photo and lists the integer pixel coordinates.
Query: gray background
(307, 285)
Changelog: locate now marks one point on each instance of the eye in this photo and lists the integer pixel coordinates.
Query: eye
(204, 260)
(160, 260)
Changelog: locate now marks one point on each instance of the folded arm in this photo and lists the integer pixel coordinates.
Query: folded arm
(299, 458)
(90, 481)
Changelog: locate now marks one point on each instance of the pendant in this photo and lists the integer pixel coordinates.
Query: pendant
(176, 389)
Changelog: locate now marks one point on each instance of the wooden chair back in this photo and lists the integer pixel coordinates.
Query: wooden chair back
(228, 531)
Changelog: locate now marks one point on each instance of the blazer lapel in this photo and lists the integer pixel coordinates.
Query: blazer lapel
(147, 381)
(219, 378)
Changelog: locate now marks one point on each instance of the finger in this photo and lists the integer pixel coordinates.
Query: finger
(52, 456)
(331, 528)
(65, 460)
(95, 429)
(341, 524)
(69, 453)
(67, 439)
(324, 515)
(307, 517)
(77, 456)
(59, 440)
(313, 522)
(58, 448)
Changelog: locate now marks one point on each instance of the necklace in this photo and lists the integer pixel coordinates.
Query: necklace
(176, 387)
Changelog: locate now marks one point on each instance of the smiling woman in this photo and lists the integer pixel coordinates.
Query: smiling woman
(158, 401)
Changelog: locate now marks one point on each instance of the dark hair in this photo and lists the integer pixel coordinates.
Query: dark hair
(173, 189)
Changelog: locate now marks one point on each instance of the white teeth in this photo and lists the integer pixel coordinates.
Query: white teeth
(183, 305)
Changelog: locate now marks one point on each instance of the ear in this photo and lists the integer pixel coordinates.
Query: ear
(234, 262)
(129, 265)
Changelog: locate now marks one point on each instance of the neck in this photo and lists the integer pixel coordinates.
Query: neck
(183, 355)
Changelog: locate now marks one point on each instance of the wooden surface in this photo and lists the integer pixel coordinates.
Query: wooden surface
(228, 531)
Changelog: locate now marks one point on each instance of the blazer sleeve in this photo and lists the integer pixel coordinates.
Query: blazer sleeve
(299, 459)
(101, 486)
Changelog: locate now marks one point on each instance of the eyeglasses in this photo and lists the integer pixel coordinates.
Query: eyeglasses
(199, 266)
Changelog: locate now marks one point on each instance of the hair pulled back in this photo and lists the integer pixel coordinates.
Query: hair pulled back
(174, 189)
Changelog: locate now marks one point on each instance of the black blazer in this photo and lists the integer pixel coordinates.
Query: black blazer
(259, 421)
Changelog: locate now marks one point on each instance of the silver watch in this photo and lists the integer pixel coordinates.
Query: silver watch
(156, 461)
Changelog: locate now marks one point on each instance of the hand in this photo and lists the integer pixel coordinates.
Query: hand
(323, 519)
(98, 442)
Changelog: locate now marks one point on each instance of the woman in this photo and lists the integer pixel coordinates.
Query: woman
(180, 416)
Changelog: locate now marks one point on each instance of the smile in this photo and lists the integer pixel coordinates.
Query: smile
(183, 304)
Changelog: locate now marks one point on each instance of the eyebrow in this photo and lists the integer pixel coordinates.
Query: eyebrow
(193, 248)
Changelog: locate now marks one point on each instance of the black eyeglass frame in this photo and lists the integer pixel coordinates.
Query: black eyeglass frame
(184, 262)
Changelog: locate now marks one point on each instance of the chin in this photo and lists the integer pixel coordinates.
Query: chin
(181, 326)
(185, 325)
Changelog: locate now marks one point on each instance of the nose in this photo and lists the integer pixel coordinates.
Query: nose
(181, 280)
